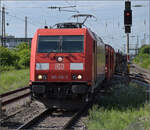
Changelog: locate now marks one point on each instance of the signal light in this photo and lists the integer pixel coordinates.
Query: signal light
(128, 17)
(127, 14)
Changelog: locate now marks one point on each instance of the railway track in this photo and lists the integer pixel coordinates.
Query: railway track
(34, 120)
(5, 99)
(38, 122)
(8, 99)
(13, 96)
(24, 115)
(76, 116)
(142, 70)
(136, 76)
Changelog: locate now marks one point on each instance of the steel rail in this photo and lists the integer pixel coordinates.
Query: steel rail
(14, 91)
(77, 116)
(15, 98)
(34, 120)
(9, 116)
(140, 78)
(68, 125)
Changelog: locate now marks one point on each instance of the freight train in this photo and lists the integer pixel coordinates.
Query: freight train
(68, 63)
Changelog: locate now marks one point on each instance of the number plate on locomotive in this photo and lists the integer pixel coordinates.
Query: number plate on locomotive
(59, 66)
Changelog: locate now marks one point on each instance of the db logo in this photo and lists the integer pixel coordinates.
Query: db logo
(59, 66)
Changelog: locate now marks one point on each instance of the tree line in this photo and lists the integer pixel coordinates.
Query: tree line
(16, 58)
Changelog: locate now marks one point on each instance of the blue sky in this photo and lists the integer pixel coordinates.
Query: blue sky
(109, 24)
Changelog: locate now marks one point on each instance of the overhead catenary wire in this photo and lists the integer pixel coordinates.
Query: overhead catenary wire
(61, 8)
(20, 18)
(73, 7)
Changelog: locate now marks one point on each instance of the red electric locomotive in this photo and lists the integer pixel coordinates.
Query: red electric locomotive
(67, 64)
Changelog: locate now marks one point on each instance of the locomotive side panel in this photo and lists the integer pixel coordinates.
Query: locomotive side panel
(113, 61)
(32, 58)
(100, 60)
(89, 58)
(110, 61)
(107, 67)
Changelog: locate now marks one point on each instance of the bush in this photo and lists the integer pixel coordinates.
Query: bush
(143, 58)
(124, 108)
(22, 46)
(6, 68)
(14, 58)
(145, 49)
(23, 51)
(24, 57)
(123, 96)
(7, 57)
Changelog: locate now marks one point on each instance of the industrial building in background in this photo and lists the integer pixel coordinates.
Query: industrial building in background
(12, 41)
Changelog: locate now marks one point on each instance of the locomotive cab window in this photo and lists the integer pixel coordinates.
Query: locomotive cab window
(48, 44)
(72, 44)
(61, 44)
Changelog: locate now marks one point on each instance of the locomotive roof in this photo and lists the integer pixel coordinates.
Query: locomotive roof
(64, 31)
(96, 37)
(69, 25)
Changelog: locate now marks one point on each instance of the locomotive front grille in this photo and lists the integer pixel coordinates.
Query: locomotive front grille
(59, 93)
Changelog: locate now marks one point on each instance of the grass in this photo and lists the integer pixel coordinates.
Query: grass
(124, 109)
(11, 80)
(114, 119)
(143, 57)
(142, 61)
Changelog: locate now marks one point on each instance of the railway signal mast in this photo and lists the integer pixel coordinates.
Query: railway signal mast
(3, 27)
(127, 24)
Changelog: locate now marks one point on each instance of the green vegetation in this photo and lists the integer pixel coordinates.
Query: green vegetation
(13, 79)
(14, 67)
(18, 58)
(123, 109)
(143, 58)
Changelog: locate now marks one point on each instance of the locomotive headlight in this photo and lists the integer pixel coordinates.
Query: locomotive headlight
(79, 76)
(39, 77)
(59, 59)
